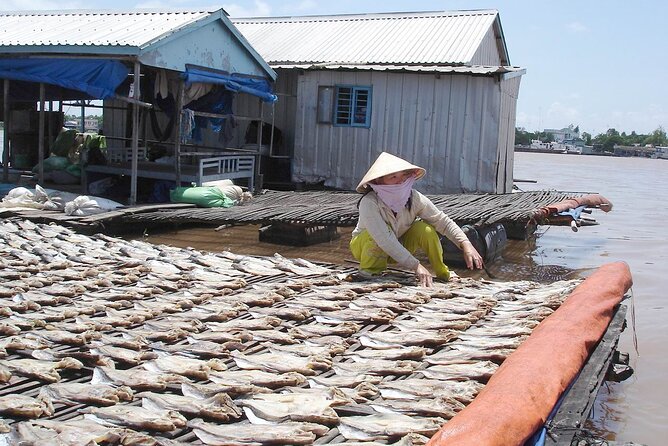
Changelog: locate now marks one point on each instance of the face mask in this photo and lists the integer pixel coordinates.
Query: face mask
(395, 196)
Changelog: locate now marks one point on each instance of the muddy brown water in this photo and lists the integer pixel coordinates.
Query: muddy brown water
(634, 410)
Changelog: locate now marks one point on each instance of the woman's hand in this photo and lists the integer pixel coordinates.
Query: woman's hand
(471, 256)
(423, 276)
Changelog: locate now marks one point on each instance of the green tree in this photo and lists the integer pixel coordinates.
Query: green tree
(587, 138)
(657, 138)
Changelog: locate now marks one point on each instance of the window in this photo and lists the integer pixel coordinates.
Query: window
(353, 107)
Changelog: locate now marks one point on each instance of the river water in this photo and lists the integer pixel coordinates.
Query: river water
(633, 231)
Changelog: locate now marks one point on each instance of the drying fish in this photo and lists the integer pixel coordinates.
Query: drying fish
(343, 381)
(42, 370)
(87, 393)
(373, 302)
(278, 337)
(257, 377)
(207, 349)
(49, 314)
(172, 335)
(24, 406)
(19, 305)
(383, 426)
(24, 343)
(260, 323)
(135, 378)
(63, 337)
(251, 434)
(215, 312)
(312, 407)
(137, 417)
(408, 440)
(317, 303)
(477, 370)
(175, 322)
(120, 354)
(434, 407)
(432, 316)
(210, 277)
(282, 362)
(72, 327)
(390, 353)
(490, 343)
(342, 329)
(458, 353)
(289, 266)
(158, 308)
(4, 427)
(327, 350)
(5, 374)
(369, 315)
(181, 365)
(293, 314)
(431, 324)
(48, 354)
(255, 268)
(504, 331)
(219, 407)
(131, 342)
(363, 366)
(7, 329)
(329, 341)
(203, 391)
(396, 339)
(257, 299)
(414, 388)
(314, 268)
(41, 298)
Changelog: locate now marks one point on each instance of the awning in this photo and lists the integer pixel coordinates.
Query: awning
(97, 78)
(237, 83)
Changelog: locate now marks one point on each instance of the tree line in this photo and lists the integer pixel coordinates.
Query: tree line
(605, 141)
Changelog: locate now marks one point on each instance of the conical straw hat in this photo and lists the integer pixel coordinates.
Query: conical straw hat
(386, 164)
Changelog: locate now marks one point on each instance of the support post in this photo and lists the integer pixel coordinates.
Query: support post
(135, 133)
(177, 134)
(5, 142)
(40, 132)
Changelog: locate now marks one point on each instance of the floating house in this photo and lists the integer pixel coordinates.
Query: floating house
(185, 60)
(433, 87)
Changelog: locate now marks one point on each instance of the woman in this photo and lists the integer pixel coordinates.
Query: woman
(389, 228)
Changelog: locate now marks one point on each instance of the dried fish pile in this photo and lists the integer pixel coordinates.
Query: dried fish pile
(115, 342)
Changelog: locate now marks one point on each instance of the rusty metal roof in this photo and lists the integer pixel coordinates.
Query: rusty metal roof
(425, 38)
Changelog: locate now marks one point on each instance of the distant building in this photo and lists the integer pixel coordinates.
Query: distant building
(562, 135)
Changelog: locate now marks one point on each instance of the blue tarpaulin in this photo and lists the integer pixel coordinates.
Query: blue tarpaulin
(257, 87)
(95, 77)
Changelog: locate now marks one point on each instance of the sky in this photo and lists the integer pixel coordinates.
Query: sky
(594, 64)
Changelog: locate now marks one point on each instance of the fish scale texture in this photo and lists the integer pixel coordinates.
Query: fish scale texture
(519, 397)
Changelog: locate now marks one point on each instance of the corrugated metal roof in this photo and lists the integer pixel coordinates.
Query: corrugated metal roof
(93, 28)
(445, 38)
(476, 69)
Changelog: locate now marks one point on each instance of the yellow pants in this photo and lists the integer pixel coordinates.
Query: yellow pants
(420, 235)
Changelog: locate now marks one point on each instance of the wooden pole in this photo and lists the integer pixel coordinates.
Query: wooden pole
(5, 142)
(40, 132)
(135, 134)
(177, 134)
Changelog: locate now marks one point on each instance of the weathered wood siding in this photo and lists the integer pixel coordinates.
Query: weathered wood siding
(450, 124)
(509, 93)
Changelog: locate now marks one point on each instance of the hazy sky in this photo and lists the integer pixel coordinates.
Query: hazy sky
(593, 63)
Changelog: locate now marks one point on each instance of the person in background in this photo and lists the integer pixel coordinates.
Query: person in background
(395, 220)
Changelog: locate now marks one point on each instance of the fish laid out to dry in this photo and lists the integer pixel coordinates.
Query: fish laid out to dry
(362, 366)
(327, 350)
(87, 393)
(432, 324)
(407, 440)
(416, 388)
(181, 365)
(432, 407)
(137, 417)
(24, 406)
(361, 393)
(203, 391)
(312, 407)
(201, 349)
(251, 434)
(396, 339)
(384, 426)
(477, 370)
(63, 337)
(257, 378)
(285, 313)
(24, 343)
(218, 407)
(278, 337)
(282, 362)
(390, 353)
(222, 337)
(317, 303)
(127, 341)
(136, 378)
(341, 381)
(367, 315)
(73, 432)
(42, 370)
(458, 353)
(175, 322)
(122, 355)
(341, 329)
(260, 323)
